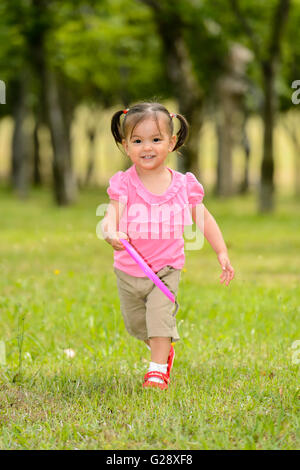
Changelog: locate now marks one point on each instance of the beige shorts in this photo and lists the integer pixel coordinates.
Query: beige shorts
(146, 310)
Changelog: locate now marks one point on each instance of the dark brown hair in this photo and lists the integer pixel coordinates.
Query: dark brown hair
(139, 112)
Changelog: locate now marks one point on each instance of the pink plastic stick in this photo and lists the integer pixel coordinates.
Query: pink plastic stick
(148, 271)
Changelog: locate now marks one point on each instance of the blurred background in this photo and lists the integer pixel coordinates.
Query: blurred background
(230, 66)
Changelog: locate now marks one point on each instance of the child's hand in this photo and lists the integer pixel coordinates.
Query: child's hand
(227, 270)
(114, 240)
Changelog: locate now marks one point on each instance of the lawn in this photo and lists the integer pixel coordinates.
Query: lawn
(70, 375)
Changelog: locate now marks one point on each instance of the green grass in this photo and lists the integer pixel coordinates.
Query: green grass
(235, 382)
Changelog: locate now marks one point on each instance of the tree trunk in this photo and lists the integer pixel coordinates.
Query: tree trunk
(231, 90)
(244, 187)
(266, 194)
(91, 157)
(19, 167)
(50, 106)
(37, 179)
(268, 60)
(64, 182)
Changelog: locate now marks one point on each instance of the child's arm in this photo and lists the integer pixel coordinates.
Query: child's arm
(207, 224)
(110, 225)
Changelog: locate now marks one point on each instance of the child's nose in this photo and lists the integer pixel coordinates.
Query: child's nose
(147, 146)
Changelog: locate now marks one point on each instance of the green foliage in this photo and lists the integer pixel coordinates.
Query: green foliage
(207, 43)
(13, 45)
(111, 52)
(108, 46)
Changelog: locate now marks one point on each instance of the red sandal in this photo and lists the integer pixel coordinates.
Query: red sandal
(160, 375)
(170, 360)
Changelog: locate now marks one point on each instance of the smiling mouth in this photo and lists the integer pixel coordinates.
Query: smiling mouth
(148, 157)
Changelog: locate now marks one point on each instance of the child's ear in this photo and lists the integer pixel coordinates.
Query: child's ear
(172, 143)
(124, 143)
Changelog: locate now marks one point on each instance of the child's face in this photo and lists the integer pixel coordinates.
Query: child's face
(148, 139)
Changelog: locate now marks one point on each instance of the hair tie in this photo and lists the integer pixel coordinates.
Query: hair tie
(125, 111)
(173, 115)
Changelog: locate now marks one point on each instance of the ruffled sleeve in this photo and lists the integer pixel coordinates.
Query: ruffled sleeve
(195, 190)
(117, 189)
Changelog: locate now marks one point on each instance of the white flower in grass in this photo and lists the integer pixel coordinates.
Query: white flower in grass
(27, 356)
(69, 353)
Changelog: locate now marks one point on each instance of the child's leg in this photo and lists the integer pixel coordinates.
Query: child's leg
(132, 304)
(160, 349)
(161, 326)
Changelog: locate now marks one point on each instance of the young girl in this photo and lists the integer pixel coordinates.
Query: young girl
(149, 206)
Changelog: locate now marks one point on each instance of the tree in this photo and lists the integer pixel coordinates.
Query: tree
(267, 51)
(31, 77)
(231, 117)
(42, 21)
(13, 53)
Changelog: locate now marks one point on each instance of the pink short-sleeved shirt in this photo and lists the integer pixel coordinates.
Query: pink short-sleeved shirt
(154, 223)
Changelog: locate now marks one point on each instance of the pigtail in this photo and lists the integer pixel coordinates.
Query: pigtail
(183, 132)
(116, 127)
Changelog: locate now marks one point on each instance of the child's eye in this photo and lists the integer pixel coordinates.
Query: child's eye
(157, 139)
(137, 141)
